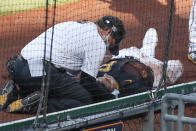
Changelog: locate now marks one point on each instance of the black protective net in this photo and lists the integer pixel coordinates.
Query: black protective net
(162, 23)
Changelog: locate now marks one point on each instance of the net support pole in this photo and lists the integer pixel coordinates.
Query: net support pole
(148, 120)
(166, 52)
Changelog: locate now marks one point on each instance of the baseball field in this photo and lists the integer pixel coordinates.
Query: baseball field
(23, 20)
(10, 6)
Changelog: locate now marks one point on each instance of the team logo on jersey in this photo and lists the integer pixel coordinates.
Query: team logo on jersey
(107, 67)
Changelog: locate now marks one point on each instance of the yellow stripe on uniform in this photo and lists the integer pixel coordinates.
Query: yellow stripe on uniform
(130, 81)
(3, 98)
(15, 105)
(189, 57)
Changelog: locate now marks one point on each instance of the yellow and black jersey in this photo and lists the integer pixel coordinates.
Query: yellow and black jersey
(132, 75)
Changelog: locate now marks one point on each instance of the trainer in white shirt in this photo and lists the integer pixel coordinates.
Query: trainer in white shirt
(75, 47)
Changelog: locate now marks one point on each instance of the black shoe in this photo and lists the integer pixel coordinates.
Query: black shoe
(7, 94)
(192, 56)
(29, 104)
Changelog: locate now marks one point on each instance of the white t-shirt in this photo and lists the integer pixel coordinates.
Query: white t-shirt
(192, 27)
(76, 46)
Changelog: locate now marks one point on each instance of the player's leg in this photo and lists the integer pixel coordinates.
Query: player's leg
(22, 77)
(8, 94)
(61, 98)
(131, 51)
(149, 42)
(21, 85)
(18, 70)
(79, 97)
(29, 104)
(61, 86)
(59, 104)
(68, 94)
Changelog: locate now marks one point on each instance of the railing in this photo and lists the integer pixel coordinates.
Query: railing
(169, 102)
(104, 111)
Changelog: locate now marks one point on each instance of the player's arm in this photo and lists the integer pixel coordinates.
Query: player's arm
(87, 80)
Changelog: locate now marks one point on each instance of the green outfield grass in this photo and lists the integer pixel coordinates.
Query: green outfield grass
(13, 6)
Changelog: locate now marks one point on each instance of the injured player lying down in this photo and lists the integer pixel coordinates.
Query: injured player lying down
(137, 70)
(146, 55)
(132, 71)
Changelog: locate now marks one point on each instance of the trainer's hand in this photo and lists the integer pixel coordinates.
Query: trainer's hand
(109, 82)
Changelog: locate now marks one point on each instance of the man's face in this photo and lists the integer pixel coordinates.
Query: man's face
(111, 41)
(113, 48)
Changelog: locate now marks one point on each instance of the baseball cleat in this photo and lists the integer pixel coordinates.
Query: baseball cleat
(192, 56)
(28, 104)
(7, 94)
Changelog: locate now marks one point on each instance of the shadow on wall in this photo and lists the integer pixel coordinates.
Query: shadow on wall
(155, 13)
